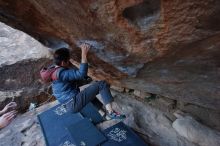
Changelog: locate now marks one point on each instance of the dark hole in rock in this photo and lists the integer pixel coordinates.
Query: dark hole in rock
(143, 14)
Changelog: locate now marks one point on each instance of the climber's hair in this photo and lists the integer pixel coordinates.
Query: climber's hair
(62, 54)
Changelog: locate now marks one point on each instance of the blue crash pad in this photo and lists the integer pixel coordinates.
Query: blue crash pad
(122, 135)
(54, 122)
(91, 112)
(85, 133)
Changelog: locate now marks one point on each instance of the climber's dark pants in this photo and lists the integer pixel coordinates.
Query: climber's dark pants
(88, 94)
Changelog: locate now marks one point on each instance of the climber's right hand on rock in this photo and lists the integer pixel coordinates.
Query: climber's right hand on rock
(85, 49)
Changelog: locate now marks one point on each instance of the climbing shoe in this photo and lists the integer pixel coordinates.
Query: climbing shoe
(114, 115)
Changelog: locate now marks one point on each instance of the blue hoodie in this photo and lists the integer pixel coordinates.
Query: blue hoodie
(64, 88)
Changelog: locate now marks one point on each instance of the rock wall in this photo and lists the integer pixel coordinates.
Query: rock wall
(127, 36)
(127, 33)
(21, 58)
(162, 48)
(17, 46)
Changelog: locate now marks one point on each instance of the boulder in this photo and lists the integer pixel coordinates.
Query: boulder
(21, 58)
(163, 47)
(195, 132)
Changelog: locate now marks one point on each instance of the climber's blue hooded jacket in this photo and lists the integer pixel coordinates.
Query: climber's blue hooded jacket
(65, 87)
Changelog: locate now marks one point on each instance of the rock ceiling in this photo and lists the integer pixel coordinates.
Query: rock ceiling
(163, 47)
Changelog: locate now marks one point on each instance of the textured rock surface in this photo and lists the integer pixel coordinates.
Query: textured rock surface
(21, 58)
(154, 125)
(17, 46)
(196, 132)
(208, 117)
(126, 35)
(190, 74)
(21, 82)
(170, 48)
